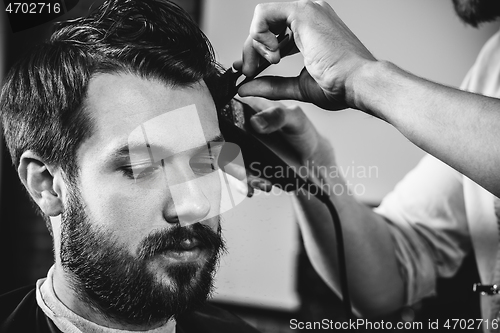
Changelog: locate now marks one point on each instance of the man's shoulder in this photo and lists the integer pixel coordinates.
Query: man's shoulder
(19, 312)
(12, 299)
(210, 318)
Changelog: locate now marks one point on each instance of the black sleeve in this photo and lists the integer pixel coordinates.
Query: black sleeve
(20, 313)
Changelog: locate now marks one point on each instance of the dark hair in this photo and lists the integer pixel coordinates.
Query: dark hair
(42, 103)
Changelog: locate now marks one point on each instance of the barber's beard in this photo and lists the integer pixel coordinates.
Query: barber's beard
(120, 286)
(475, 12)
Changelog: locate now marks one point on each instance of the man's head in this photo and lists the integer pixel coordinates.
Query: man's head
(135, 249)
(475, 12)
(108, 123)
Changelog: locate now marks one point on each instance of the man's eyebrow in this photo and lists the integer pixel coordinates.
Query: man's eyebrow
(120, 152)
(217, 138)
(124, 150)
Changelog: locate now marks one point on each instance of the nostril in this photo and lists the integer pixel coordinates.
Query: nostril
(187, 205)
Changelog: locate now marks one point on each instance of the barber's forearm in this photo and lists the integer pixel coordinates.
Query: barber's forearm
(460, 128)
(375, 284)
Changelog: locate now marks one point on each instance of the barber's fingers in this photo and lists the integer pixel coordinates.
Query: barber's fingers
(253, 51)
(290, 119)
(250, 58)
(302, 88)
(272, 87)
(269, 20)
(295, 126)
(238, 64)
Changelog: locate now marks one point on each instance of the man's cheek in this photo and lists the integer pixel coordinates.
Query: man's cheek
(130, 215)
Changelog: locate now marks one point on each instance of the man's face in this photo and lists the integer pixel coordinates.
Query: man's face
(475, 12)
(131, 240)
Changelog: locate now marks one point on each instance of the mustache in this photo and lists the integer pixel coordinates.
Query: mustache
(171, 240)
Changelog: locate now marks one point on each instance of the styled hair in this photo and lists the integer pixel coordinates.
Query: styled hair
(42, 103)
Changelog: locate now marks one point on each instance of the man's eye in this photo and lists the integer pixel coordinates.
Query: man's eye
(140, 171)
(203, 164)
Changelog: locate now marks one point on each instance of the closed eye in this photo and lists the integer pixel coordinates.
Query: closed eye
(141, 171)
(206, 160)
(203, 163)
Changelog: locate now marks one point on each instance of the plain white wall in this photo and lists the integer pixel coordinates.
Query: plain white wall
(422, 36)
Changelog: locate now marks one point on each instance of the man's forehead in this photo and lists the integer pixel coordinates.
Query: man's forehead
(121, 98)
(168, 127)
(127, 108)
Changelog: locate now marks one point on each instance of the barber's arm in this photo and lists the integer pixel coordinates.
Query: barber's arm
(457, 127)
(375, 284)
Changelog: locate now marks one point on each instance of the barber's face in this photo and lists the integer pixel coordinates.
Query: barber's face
(475, 12)
(141, 233)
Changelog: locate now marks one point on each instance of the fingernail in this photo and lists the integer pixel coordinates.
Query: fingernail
(267, 56)
(261, 122)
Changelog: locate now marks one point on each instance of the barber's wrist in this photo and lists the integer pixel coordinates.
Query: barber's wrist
(368, 84)
(323, 154)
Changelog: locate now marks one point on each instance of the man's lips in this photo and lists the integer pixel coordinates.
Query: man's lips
(187, 250)
(181, 239)
(184, 256)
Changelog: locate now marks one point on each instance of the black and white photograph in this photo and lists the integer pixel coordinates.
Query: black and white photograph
(239, 166)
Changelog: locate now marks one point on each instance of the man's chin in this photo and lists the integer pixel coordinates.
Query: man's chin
(180, 269)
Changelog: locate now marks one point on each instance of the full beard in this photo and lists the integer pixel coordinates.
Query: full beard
(475, 12)
(124, 288)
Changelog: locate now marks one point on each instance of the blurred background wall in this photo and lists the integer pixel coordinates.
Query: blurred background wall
(422, 36)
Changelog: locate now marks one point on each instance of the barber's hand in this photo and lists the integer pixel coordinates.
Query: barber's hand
(332, 54)
(295, 126)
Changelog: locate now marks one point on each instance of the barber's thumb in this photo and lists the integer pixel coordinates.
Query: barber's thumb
(272, 87)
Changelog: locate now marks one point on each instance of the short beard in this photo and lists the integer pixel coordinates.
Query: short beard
(475, 12)
(120, 286)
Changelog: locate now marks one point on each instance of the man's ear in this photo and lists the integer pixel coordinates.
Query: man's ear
(38, 178)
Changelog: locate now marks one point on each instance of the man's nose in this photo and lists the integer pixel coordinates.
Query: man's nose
(188, 204)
